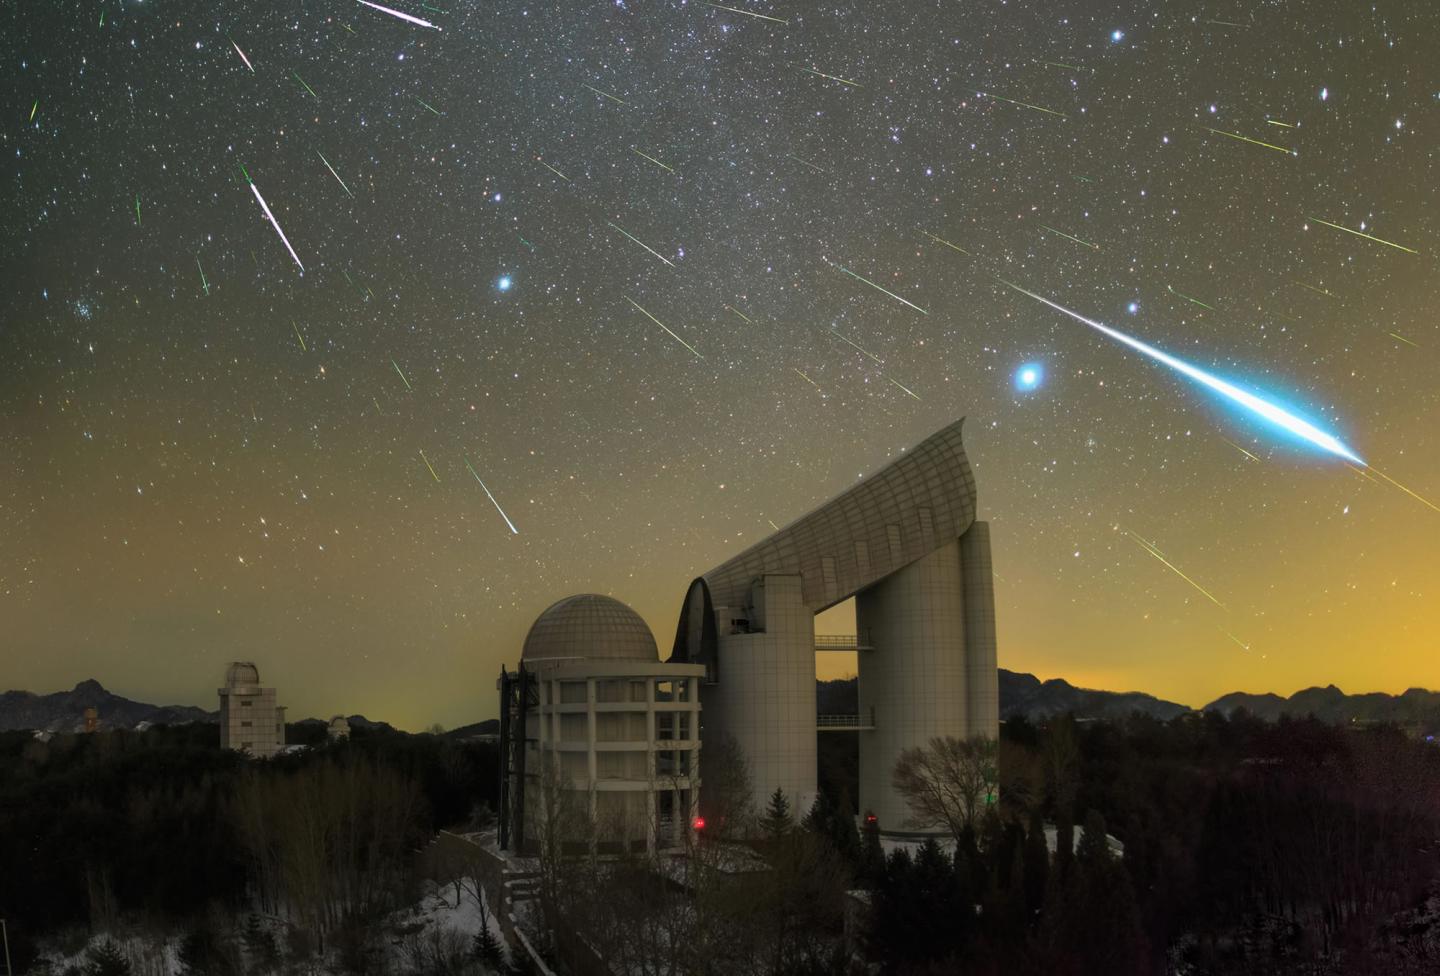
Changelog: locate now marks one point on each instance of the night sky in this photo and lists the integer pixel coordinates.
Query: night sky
(609, 255)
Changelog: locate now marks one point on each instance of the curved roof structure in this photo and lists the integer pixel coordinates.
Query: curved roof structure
(906, 510)
(592, 627)
(242, 674)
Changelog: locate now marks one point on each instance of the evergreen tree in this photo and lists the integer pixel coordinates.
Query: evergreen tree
(106, 959)
(1037, 864)
(260, 946)
(872, 855)
(486, 948)
(777, 821)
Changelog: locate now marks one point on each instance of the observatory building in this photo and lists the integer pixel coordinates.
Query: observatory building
(599, 740)
(250, 721)
(905, 544)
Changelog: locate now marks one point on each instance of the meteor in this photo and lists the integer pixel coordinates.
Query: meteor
(432, 108)
(737, 10)
(1068, 237)
(665, 327)
(847, 342)
(307, 87)
(652, 159)
(903, 387)
(641, 243)
(843, 81)
(430, 466)
(872, 284)
(1236, 135)
(298, 335)
(402, 375)
(807, 163)
(241, 53)
(1038, 108)
(1258, 406)
(265, 207)
(1197, 301)
(606, 94)
(333, 173)
(807, 380)
(203, 283)
(138, 221)
(1171, 566)
(1368, 237)
(395, 13)
(513, 530)
(33, 109)
(553, 170)
(747, 318)
(956, 247)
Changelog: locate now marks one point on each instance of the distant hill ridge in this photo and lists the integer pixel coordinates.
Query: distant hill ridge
(1020, 694)
(64, 711)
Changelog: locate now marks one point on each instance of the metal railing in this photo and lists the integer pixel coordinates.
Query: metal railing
(842, 642)
(850, 721)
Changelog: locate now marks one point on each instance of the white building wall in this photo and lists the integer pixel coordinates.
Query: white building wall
(765, 697)
(250, 720)
(913, 683)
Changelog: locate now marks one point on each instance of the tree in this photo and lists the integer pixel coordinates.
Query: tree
(725, 799)
(260, 945)
(486, 948)
(1037, 864)
(106, 959)
(777, 821)
(949, 782)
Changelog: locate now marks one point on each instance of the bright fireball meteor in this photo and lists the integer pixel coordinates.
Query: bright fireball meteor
(1277, 415)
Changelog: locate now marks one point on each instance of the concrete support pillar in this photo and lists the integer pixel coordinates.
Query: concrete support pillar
(766, 696)
(982, 711)
(915, 680)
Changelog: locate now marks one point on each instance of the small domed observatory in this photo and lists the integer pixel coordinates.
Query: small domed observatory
(599, 740)
(250, 720)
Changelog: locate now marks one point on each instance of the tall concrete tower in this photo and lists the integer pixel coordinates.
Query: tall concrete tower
(250, 720)
(904, 542)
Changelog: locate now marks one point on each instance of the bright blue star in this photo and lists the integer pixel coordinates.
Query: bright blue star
(1133, 308)
(504, 283)
(1029, 377)
(1116, 36)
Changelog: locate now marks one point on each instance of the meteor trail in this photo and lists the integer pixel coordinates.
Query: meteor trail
(1403, 339)
(1236, 135)
(737, 10)
(513, 530)
(1240, 449)
(241, 53)
(1157, 554)
(807, 163)
(872, 284)
(553, 170)
(1368, 237)
(903, 387)
(1275, 414)
(203, 283)
(849, 343)
(606, 94)
(1197, 301)
(265, 207)
(307, 87)
(396, 13)
(1068, 237)
(956, 247)
(641, 243)
(33, 109)
(427, 104)
(402, 375)
(843, 81)
(741, 314)
(137, 211)
(298, 335)
(665, 327)
(652, 159)
(1283, 125)
(1038, 108)
(430, 466)
(333, 173)
(807, 380)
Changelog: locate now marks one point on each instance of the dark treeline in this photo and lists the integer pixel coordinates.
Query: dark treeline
(1248, 847)
(163, 824)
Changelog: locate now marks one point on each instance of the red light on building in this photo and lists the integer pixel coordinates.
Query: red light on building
(870, 818)
(699, 823)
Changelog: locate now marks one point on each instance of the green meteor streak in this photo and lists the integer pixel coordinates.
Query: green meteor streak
(427, 104)
(298, 336)
(1069, 237)
(843, 81)
(652, 159)
(665, 327)
(402, 375)
(606, 94)
(307, 87)
(737, 10)
(138, 221)
(1236, 135)
(1197, 301)
(33, 109)
(203, 283)
(1368, 237)
(942, 240)
(333, 173)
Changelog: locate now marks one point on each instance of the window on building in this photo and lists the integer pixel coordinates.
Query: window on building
(664, 691)
(664, 725)
(637, 691)
(572, 693)
(682, 690)
(245, 703)
(245, 725)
